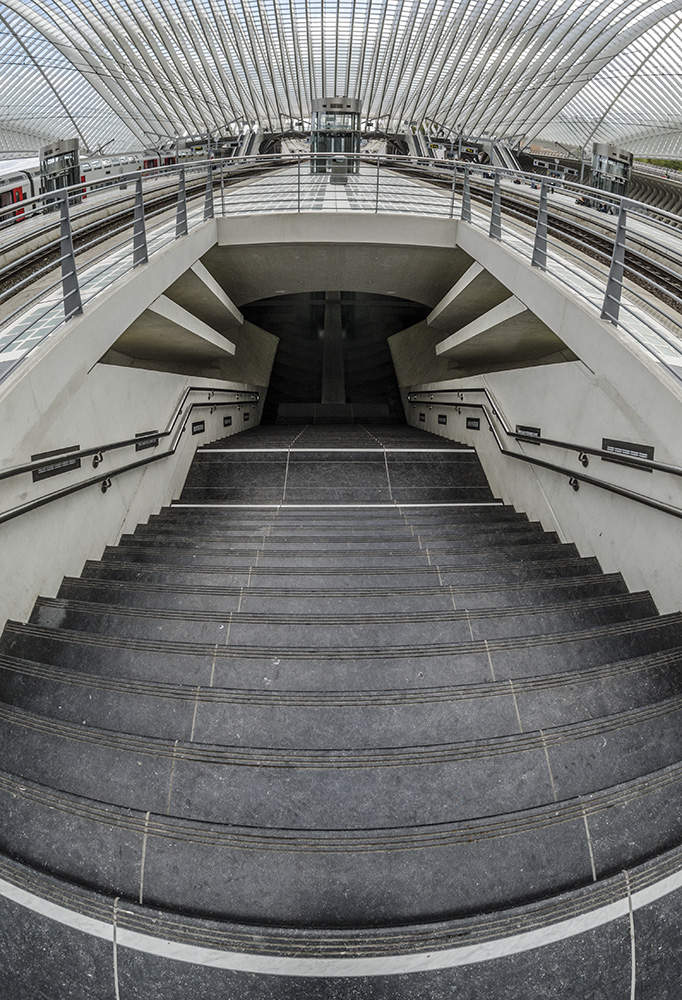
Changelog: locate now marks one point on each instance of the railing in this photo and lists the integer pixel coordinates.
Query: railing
(147, 439)
(500, 428)
(627, 268)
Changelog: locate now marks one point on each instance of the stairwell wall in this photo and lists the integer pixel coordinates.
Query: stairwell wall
(570, 403)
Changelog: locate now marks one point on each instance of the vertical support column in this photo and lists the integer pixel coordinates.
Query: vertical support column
(540, 244)
(376, 200)
(299, 182)
(614, 285)
(452, 197)
(222, 188)
(140, 255)
(466, 197)
(208, 199)
(333, 370)
(496, 210)
(71, 292)
(181, 214)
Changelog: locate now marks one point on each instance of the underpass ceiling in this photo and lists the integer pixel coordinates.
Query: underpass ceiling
(132, 74)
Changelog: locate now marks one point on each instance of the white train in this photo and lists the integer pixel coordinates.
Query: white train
(22, 180)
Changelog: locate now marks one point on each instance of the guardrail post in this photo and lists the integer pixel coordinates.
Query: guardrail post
(71, 292)
(496, 210)
(614, 285)
(140, 255)
(208, 200)
(299, 182)
(466, 197)
(540, 244)
(452, 197)
(181, 214)
(376, 201)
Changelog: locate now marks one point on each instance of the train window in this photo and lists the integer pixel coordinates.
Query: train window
(97, 165)
(86, 168)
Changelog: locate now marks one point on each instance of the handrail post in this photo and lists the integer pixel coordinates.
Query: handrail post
(540, 244)
(222, 187)
(299, 182)
(452, 197)
(209, 212)
(466, 197)
(140, 255)
(181, 214)
(496, 210)
(71, 292)
(376, 201)
(614, 285)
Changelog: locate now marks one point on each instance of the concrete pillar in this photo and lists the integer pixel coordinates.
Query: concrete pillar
(333, 374)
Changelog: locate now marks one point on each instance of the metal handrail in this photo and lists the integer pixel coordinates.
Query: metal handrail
(646, 464)
(17, 470)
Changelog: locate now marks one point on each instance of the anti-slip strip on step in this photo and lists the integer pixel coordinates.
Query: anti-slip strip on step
(331, 840)
(331, 758)
(87, 583)
(397, 618)
(668, 659)
(355, 952)
(329, 506)
(169, 647)
(321, 953)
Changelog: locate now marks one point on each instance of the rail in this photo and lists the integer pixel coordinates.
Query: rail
(175, 427)
(622, 257)
(493, 414)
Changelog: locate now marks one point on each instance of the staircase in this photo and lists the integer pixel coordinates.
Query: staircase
(337, 716)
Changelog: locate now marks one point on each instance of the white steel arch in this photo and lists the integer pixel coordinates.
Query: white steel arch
(134, 71)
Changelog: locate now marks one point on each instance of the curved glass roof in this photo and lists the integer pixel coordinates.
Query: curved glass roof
(128, 73)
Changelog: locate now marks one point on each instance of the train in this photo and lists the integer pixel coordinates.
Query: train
(21, 182)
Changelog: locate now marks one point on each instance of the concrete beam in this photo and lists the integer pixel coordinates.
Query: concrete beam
(167, 332)
(508, 333)
(476, 292)
(198, 292)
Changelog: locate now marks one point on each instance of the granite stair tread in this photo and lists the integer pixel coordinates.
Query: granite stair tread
(309, 715)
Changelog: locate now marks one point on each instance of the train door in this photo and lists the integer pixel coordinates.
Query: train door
(13, 197)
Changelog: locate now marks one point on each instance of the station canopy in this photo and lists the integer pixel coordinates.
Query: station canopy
(129, 74)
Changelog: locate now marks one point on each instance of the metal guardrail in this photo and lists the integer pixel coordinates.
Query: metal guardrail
(173, 431)
(494, 417)
(629, 268)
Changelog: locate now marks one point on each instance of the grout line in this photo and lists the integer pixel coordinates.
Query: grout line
(115, 943)
(241, 594)
(490, 660)
(471, 631)
(428, 555)
(633, 954)
(452, 595)
(589, 843)
(144, 856)
(549, 767)
(172, 775)
(194, 717)
(215, 654)
(516, 704)
(286, 475)
(388, 476)
(440, 578)
(418, 537)
(248, 581)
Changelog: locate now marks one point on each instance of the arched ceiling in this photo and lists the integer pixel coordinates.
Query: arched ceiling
(127, 72)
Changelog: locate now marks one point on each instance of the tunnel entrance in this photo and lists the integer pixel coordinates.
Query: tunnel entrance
(333, 362)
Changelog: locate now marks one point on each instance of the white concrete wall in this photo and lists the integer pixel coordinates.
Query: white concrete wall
(107, 404)
(571, 403)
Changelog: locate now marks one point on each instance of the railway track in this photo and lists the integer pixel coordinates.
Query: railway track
(15, 276)
(660, 279)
